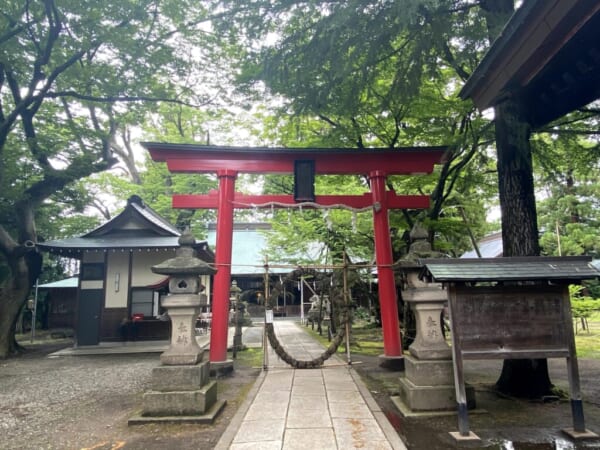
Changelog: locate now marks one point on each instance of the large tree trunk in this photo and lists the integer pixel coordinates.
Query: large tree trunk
(521, 377)
(515, 181)
(24, 264)
(13, 294)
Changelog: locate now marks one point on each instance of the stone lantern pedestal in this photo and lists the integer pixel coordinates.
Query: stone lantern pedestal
(181, 391)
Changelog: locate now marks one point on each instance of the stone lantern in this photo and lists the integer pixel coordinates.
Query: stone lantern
(181, 391)
(238, 315)
(184, 301)
(428, 383)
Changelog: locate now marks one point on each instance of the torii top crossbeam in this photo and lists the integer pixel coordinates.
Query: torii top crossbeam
(227, 162)
(336, 161)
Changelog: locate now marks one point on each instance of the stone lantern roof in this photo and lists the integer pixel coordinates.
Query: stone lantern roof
(186, 261)
(420, 248)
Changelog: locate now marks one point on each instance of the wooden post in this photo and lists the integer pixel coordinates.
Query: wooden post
(220, 305)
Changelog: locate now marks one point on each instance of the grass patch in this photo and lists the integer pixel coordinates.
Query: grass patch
(250, 357)
(587, 341)
(365, 339)
(368, 340)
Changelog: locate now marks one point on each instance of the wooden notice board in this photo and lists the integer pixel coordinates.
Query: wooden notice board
(511, 321)
(517, 321)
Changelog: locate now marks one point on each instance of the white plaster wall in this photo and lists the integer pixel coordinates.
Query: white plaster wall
(133, 225)
(143, 261)
(92, 284)
(117, 280)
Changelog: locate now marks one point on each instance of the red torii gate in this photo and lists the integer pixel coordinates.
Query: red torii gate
(227, 162)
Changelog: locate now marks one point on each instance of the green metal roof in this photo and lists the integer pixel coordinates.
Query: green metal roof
(248, 246)
(574, 268)
(72, 282)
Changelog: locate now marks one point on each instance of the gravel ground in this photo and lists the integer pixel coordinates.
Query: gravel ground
(84, 402)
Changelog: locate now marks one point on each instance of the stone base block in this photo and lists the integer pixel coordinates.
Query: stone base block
(221, 368)
(180, 378)
(180, 403)
(206, 418)
(430, 351)
(429, 372)
(427, 398)
(471, 437)
(576, 435)
(178, 357)
(395, 363)
(432, 398)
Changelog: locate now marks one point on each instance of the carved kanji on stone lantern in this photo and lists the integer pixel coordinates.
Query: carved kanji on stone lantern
(183, 301)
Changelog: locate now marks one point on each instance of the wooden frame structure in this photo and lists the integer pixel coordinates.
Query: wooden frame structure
(522, 311)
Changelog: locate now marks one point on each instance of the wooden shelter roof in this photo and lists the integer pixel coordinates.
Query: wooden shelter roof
(548, 54)
(534, 268)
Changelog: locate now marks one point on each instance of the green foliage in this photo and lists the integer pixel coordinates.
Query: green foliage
(74, 78)
(582, 306)
(569, 215)
(375, 74)
(99, 66)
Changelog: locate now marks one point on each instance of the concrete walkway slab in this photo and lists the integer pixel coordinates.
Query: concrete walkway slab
(325, 408)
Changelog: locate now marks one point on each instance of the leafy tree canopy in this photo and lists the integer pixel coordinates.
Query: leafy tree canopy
(73, 76)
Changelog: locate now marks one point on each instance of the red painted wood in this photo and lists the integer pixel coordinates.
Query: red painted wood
(206, 159)
(392, 344)
(220, 303)
(241, 201)
(228, 161)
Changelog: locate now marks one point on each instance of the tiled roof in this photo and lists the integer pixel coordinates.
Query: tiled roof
(137, 212)
(137, 227)
(509, 269)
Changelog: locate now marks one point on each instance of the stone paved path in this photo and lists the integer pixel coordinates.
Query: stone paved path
(326, 408)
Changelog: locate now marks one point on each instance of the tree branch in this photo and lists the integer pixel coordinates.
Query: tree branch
(7, 243)
(450, 59)
(122, 98)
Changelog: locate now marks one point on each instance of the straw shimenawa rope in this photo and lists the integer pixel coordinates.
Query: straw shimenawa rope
(303, 364)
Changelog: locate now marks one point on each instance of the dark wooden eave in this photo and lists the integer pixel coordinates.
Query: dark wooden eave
(77, 246)
(548, 54)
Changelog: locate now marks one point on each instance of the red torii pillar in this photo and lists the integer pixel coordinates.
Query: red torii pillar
(220, 308)
(227, 162)
(388, 300)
